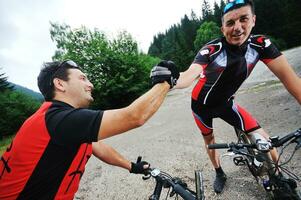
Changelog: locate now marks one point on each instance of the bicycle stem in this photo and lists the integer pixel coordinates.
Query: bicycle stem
(158, 189)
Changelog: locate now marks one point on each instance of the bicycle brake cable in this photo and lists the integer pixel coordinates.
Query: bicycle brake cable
(291, 156)
(290, 174)
(166, 175)
(281, 166)
(167, 193)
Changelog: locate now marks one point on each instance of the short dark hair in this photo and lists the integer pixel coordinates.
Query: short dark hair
(231, 5)
(51, 70)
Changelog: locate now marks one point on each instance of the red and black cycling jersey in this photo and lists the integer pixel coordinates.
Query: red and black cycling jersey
(48, 155)
(225, 67)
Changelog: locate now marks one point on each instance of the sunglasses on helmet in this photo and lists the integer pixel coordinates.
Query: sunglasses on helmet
(64, 64)
(232, 4)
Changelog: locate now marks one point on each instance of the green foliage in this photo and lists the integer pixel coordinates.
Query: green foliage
(207, 32)
(4, 84)
(5, 142)
(35, 95)
(119, 72)
(177, 42)
(15, 108)
(217, 12)
(279, 19)
(279, 43)
(291, 27)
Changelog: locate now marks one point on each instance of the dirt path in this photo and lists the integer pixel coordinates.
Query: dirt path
(172, 142)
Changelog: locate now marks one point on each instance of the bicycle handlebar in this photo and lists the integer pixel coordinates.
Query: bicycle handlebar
(182, 192)
(296, 134)
(275, 142)
(230, 145)
(219, 146)
(177, 186)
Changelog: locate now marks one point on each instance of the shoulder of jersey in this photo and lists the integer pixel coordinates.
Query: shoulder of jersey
(261, 41)
(212, 47)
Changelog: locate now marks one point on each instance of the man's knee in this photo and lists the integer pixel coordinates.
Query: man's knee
(209, 139)
(259, 131)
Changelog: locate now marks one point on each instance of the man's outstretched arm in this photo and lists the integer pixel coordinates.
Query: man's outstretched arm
(282, 69)
(136, 114)
(163, 76)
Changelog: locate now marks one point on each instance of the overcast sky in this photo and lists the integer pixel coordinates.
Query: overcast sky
(24, 27)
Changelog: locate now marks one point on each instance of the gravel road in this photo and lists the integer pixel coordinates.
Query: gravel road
(171, 141)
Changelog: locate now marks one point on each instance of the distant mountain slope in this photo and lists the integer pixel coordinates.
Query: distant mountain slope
(35, 95)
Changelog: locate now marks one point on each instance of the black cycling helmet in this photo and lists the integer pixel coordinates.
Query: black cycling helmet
(234, 4)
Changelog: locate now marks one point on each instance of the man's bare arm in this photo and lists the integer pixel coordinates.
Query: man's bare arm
(109, 155)
(120, 120)
(282, 69)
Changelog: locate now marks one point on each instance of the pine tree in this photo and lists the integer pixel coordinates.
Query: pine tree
(217, 13)
(206, 11)
(4, 84)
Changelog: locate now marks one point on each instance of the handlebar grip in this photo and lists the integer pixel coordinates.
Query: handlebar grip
(182, 192)
(218, 146)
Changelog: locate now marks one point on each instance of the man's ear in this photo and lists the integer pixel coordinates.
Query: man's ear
(59, 84)
(254, 19)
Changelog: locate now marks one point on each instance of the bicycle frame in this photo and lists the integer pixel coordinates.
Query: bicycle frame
(258, 168)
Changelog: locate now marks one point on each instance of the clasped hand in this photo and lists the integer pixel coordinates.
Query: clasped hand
(165, 71)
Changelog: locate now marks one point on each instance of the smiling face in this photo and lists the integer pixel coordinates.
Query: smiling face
(237, 25)
(78, 88)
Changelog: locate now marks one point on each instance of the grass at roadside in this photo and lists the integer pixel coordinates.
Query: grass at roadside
(261, 86)
(5, 142)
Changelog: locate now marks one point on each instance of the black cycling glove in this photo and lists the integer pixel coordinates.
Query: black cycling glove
(165, 71)
(138, 167)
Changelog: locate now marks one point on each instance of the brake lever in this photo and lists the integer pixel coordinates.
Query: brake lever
(172, 193)
(177, 180)
(298, 141)
(230, 154)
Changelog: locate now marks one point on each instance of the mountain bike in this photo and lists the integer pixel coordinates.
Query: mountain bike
(176, 186)
(254, 152)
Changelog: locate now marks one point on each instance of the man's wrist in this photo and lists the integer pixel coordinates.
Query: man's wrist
(131, 167)
(164, 84)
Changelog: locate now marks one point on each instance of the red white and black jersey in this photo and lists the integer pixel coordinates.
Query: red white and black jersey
(48, 154)
(225, 67)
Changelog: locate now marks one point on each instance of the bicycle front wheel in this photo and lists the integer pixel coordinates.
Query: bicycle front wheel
(199, 185)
